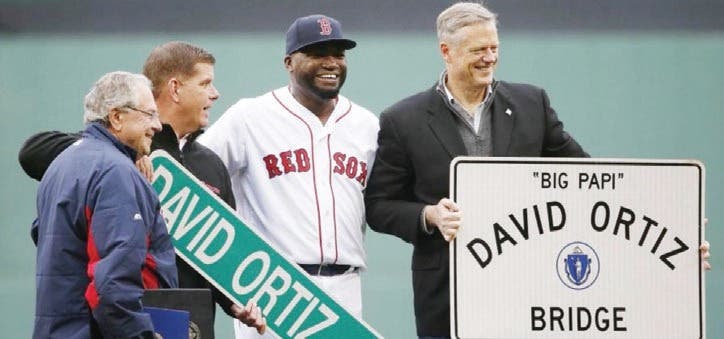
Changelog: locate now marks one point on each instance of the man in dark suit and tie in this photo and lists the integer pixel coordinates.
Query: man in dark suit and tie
(466, 112)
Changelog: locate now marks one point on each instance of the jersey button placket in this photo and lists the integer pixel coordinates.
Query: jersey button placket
(325, 199)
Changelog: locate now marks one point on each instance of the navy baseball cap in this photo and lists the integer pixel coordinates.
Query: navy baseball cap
(314, 29)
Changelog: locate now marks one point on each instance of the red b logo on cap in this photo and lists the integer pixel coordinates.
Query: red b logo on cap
(325, 26)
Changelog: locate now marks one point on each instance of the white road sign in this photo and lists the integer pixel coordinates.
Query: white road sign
(577, 248)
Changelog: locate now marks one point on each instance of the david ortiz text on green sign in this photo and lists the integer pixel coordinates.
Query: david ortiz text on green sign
(209, 236)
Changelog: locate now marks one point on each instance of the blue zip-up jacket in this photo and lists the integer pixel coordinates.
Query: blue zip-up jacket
(101, 241)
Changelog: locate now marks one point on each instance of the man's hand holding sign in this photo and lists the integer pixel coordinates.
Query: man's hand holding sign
(446, 216)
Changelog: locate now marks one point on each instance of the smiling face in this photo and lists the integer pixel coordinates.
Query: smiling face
(135, 128)
(318, 71)
(196, 95)
(471, 56)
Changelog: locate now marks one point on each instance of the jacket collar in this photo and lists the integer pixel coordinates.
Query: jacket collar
(442, 124)
(96, 130)
(168, 135)
(442, 121)
(504, 115)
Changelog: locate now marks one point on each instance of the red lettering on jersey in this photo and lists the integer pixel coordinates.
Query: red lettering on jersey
(271, 165)
(351, 167)
(286, 157)
(325, 26)
(362, 178)
(339, 161)
(302, 160)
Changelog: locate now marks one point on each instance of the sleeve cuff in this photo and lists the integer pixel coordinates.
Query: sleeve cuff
(423, 223)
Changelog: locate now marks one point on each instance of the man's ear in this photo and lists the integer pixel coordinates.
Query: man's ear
(174, 85)
(288, 63)
(445, 51)
(115, 119)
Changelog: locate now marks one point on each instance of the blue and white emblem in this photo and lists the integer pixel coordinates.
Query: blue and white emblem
(577, 265)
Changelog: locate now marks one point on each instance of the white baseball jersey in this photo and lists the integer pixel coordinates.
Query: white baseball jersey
(298, 182)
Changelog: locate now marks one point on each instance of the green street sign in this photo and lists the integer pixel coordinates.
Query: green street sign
(209, 236)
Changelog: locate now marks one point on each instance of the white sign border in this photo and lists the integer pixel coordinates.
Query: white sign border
(574, 161)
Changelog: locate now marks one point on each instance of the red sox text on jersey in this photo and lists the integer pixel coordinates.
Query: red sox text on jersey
(298, 161)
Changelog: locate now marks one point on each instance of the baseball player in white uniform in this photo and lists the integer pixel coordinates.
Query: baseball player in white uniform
(299, 157)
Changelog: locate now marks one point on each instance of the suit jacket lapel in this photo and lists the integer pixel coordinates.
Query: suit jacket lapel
(504, 115)
(443, 125)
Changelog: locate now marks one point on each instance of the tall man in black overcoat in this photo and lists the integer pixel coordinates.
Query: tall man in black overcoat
(467, 112)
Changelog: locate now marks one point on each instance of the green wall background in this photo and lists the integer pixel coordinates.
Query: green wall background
(642, 95)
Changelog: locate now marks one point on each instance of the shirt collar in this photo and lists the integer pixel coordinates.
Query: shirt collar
(442, 88)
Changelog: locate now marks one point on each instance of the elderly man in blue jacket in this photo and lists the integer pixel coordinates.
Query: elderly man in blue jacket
(100, 235)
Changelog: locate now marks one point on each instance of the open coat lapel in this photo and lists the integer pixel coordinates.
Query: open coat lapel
(504, 115)
(443, 125)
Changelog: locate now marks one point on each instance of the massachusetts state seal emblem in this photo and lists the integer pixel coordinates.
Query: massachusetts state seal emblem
(578, 265)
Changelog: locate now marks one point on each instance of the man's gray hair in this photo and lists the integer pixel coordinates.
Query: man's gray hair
(113, 90)
(460, 15)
